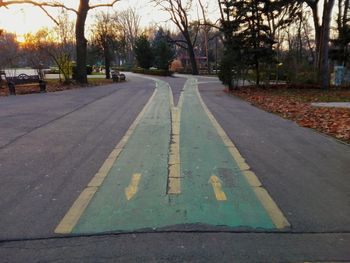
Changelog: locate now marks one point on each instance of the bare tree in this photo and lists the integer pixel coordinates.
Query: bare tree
(34, 49)
(81, 13)
(324, 52)
(206, 29)
(104, 33)
(322, 31)
(129, 21)
(178, 11)
(46, 47)
(63, 52)
(8, 49)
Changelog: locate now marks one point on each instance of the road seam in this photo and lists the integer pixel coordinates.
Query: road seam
(268, 203)
(73, 215)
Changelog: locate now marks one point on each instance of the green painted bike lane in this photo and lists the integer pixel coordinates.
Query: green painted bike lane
(203, 154)
(145, 153)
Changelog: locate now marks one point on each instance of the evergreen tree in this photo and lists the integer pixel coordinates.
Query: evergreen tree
(143, 52)
(249, 30)
(257, 41)
(163, 52)
(233, 63)
(340, 51)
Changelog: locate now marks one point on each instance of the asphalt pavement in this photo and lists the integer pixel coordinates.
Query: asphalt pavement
(52, 145)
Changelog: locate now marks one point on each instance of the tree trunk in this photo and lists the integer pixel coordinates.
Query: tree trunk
(192, 55)
(81, 42)
(257, 70)
(328, 6)
(107, 61)
(206, 33)
(318, 29)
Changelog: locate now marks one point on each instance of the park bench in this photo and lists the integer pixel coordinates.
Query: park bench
(116, 76)
(24, 80)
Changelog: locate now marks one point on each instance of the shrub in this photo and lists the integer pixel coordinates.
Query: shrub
(155, 72)
(125, 67)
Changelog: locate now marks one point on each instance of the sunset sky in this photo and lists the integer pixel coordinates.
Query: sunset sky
(23, 19)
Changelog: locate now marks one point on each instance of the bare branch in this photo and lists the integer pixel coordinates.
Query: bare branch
(38, 4)
(104, 5)
(50, 16)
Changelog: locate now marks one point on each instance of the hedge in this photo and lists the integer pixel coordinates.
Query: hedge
(155, 72)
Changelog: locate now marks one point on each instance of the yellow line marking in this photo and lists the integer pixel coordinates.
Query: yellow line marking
(271, 207)
(174, 186)
(78, 207)
(171, 96)
(174, 159)
(174, 165)
(269, 204)
(74, 213)
(216, 183)
(252, 179)
(175, 115)
(174, 181)
(131, 190)
(107, 165)
(97, 180)
(174, 178)
(174, 170)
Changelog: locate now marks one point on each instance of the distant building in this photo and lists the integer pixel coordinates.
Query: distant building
(200, 60)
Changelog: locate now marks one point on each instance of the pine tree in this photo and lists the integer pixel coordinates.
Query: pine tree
(249, 30)
(143, 52)
(163, 51)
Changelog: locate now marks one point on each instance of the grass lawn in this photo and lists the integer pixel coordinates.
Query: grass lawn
(295, 104)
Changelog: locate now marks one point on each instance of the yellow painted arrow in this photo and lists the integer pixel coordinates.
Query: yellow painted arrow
(216, 183)
(131, 190)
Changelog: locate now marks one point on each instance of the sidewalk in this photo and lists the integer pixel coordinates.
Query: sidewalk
(332, 104)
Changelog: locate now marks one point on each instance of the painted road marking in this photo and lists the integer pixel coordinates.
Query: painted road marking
(147, 153)
(174, 164)
(269, 204)
(131, 190)
(74, 213)
(151, 152)
(217, 187)
(271, 207)
(174, 181)
(77, 209)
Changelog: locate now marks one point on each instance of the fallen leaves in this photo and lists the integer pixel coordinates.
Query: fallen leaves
(295, 104)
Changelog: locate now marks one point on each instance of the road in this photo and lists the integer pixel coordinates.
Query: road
(166, 170)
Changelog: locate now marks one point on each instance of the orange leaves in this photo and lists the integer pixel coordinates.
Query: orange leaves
(295, 104)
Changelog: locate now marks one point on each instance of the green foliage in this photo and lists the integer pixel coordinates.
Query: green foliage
(249, 38)
(65, 67)
(143, 52)
(155, 72)
(340, 51)
(163, 52)
(124, 67)
(231, 66)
